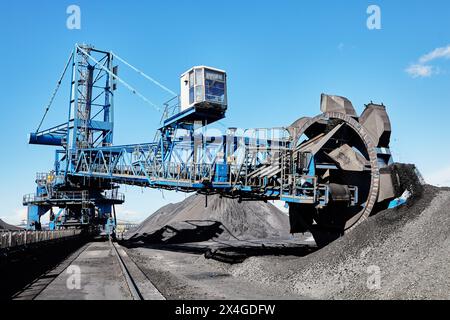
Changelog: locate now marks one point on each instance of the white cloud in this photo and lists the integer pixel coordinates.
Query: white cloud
(423, 69)
(418, 70)
(437, 53)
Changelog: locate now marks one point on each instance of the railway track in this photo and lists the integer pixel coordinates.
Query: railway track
(123, 281)
(140, 286)
(134, 290)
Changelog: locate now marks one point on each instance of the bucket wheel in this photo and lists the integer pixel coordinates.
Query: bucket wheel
(344, 157)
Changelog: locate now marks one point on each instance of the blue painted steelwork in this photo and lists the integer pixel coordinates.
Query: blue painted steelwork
(46, 139)
(55, 221)
(252, 164)
(89, 125)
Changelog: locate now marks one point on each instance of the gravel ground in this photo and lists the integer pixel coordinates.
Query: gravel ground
(400, 253)
(185, 276)
(409, 246)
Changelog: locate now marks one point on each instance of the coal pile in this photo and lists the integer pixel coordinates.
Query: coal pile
(222, 219)
(400, 253)
(7, 227)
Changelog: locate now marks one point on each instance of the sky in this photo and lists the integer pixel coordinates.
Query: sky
(279, 57)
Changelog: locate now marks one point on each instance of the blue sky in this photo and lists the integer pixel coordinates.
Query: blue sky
(279, 55)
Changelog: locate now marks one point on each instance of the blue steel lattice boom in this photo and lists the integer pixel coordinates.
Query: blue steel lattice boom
(333, 170)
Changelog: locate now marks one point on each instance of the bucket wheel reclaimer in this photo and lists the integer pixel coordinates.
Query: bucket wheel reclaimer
(339, 169)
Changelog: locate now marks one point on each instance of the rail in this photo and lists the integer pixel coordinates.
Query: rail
(12, 239)
(66, 195)
(134, 290)
(171, 108)
(71, 196)
(113, 195)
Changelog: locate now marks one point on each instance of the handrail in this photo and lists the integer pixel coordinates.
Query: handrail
(72, 195)
(171, 108)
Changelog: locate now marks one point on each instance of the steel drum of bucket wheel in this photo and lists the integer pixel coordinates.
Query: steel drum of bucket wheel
(350, 122)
